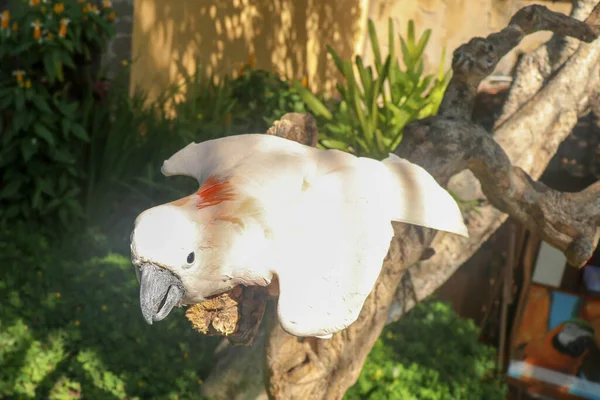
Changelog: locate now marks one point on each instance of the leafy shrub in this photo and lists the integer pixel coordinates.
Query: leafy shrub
(209, 108)
(374, 110)
(47, 52)
(430, 354)
(70, 326)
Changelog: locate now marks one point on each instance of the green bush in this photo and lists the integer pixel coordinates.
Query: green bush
(430, 354)
(374, 110)
(70, 326)
(47, 52)
(209, 108)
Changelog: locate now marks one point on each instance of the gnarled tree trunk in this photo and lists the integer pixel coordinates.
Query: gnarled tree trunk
(553, 87)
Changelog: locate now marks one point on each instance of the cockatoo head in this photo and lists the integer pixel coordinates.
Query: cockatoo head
(176, 258)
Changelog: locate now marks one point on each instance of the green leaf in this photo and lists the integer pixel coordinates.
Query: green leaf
(10, 189)
(44, 133)
(335, 144)
(312, 102)
(67, 60)
(19, 99)
(68, 44)
(19, 121)
(337, 60)
(28, 149)
(79, 132)
(45, 186)
(365, 80)
(41, 104)
(375, 45)
(6, 101)
(62, 156)
(58, 66)
(49, 67)
(66, 127)
(422, 43)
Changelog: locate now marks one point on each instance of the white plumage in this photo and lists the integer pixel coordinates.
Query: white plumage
(318, 219)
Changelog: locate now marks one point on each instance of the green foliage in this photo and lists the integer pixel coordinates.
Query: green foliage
(210, 108)
(70, 326)
(430, 354)
(47, 51)
(377, 104)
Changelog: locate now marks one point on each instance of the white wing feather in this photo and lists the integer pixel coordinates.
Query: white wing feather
(329, 214)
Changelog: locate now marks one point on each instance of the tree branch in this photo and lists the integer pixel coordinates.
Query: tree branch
(475, 60)
(300, 368)
(535, 68)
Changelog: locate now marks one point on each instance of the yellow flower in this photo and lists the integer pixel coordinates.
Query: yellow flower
(15, 27)
(76, 323)
(19, 74)
(200, 381)
(86, 8)
(43, 10)
(59, 8)
(5, 18)
(37, 29)
(28, 85)
(111, 16)
(95, 9)
(34, 3)
(305, 81)
(62, 29)
(104, 308)
(80, 1)
(125, 63)
(58, 295)
(106, 4)
(26, 327)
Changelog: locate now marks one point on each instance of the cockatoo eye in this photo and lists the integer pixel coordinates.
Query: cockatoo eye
(191, 258)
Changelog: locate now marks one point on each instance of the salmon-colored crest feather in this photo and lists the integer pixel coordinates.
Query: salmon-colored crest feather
(214, 191)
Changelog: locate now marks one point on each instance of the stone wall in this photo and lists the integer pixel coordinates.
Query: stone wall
(119, 48)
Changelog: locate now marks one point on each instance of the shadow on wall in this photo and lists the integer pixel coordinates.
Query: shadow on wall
(288, 37)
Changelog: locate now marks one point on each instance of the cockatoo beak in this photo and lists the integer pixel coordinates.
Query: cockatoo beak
(160, 291)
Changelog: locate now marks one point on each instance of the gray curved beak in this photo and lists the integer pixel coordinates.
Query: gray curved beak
(160, 291)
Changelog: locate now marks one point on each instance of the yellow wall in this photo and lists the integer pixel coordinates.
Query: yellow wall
(286, 36)
(290, 36)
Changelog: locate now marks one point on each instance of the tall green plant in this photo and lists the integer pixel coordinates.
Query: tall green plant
(47, 53)
(378, 103)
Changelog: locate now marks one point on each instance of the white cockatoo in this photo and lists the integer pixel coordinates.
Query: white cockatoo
(318, 220)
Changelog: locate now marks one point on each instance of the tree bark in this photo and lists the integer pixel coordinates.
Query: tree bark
(499, 168)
